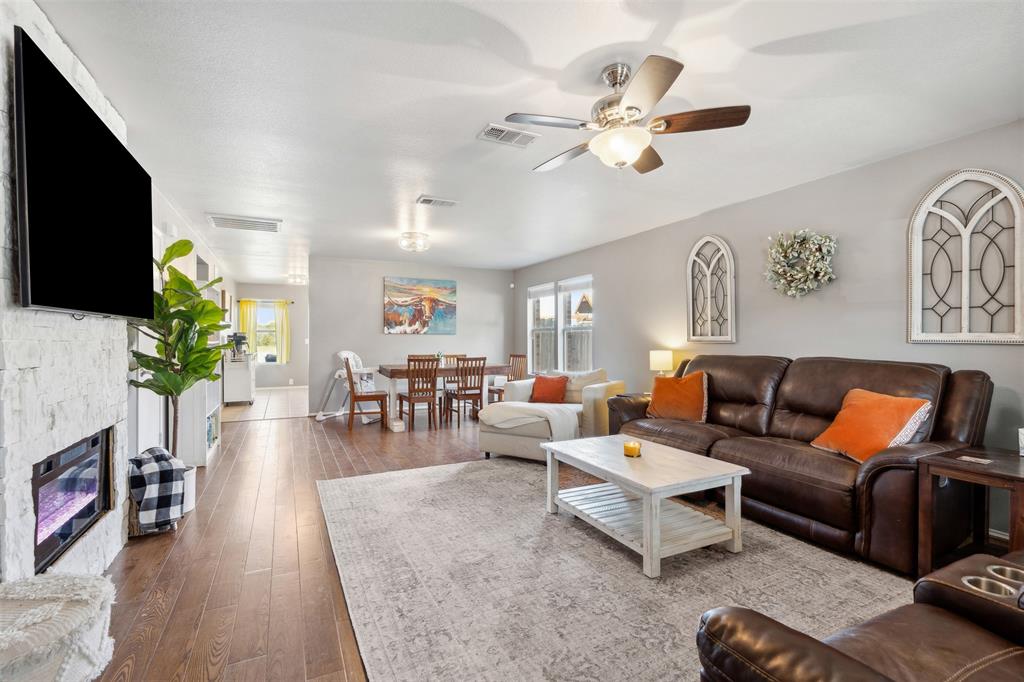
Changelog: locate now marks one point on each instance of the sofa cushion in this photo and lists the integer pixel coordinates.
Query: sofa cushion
(741, 388)
(578, 381)
(791, 475)
(689, 436)
(941, 646)
(811, 394)
(538, 428)
(870, 422)
(549, 390)
(683, 398)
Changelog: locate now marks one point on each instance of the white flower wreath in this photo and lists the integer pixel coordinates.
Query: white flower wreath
(800, 262)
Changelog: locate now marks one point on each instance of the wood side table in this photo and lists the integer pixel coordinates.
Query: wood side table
(1006, 471)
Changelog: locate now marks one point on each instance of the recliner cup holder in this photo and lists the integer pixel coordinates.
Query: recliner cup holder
(1007, 572)
(988, 586)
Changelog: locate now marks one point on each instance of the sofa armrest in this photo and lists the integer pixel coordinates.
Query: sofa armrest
(519, 391)
(902, 457)
(595, 406)
(946, 590)
(886, 494)
(626, 408)
(740, 645)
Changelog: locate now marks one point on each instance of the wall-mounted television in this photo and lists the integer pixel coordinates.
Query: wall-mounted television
(85, 205)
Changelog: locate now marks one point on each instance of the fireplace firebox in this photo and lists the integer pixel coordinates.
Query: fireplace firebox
(70, 492)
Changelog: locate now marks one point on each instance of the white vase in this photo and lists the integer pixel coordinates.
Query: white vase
(189, 500)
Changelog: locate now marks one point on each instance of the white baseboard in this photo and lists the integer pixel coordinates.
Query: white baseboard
(999, 534)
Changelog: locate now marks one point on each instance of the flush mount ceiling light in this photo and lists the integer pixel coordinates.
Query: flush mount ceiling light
(414, 241)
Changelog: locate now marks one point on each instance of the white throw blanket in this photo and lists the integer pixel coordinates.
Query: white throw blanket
(509, 414)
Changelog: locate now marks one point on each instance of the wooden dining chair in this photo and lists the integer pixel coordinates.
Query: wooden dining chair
(516, 372)
(449, 360)
(422, 378)
(469, 388)
(356, 396)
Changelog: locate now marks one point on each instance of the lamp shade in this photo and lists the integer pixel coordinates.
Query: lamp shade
(620, 147)
(661, 361)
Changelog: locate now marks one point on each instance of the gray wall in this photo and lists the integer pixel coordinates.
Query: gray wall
(639, 301)
(297, 370)
(346, 299)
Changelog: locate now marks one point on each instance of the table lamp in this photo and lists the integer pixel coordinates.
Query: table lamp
(661, 361)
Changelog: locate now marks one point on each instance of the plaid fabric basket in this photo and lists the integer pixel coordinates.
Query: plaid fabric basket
(157, 483)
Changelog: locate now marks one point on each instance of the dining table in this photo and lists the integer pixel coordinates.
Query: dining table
(396, 373)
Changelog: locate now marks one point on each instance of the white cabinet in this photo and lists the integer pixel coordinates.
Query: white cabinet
(199, 427)
(240, 378)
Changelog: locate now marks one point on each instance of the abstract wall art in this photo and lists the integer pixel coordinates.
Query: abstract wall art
(419, 306)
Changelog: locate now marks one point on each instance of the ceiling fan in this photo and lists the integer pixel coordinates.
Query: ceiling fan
(624, 139)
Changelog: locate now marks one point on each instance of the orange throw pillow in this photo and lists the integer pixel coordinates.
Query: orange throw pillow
(683, 398)
(549, 389)
(871, 422)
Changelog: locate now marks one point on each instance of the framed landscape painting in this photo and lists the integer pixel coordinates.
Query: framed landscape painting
(419, 306)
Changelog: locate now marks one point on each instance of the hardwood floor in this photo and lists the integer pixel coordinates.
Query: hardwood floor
(270, 403)
(246, 588)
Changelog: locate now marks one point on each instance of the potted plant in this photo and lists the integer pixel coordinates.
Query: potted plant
(182, 326)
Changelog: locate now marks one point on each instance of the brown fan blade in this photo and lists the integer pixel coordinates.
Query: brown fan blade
(649, 84)
(563, 158)
(553, 121)
(648, 161)
(702, 119)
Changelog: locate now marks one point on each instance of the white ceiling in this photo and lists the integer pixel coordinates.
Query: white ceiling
(335, 116)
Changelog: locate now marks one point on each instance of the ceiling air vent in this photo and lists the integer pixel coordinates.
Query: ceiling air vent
(237, 222)
(427, 200)
(505, 135)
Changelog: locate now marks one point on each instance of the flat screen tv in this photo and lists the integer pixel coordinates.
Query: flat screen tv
(85, 206)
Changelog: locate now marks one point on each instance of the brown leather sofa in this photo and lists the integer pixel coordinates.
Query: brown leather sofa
(764, 411)
(950, 632)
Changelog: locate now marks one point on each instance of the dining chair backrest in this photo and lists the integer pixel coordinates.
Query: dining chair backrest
(345, 360)
(470, 374)
(517, 367)
(422, 371)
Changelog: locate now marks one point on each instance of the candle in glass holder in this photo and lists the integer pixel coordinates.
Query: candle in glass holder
(631, 448)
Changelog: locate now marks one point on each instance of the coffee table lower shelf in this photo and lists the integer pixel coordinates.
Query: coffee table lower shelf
(620, 515)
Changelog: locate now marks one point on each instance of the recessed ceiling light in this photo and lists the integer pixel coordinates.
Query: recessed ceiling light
(414, 241)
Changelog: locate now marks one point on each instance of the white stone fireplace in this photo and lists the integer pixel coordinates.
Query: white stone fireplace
(61, 379)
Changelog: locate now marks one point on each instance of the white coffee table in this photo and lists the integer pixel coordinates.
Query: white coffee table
(631, 507)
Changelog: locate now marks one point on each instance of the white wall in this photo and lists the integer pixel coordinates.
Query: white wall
(639, 301)
(346, 305)
(296, 372)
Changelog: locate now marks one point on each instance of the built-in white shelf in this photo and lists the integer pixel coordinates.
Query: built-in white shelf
(200, 422)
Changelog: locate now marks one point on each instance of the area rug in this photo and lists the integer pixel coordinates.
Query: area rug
(457, 572)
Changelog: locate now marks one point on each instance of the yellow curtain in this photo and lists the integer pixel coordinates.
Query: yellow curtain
(247, 321)
(284, 331)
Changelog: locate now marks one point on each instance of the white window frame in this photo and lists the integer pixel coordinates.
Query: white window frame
(556, 288)
(730, 285)
(1006, 189)
(268, 302)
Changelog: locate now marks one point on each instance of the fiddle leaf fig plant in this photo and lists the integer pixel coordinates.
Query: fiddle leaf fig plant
(183, 324)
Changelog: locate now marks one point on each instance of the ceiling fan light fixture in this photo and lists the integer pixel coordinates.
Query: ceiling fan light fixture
(620, 147)
(415, 242)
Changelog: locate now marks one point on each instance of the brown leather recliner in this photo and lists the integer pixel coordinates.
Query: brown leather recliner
(763, 412)
(950, 632)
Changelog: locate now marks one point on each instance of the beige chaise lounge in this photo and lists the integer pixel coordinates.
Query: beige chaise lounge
(587, 394)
